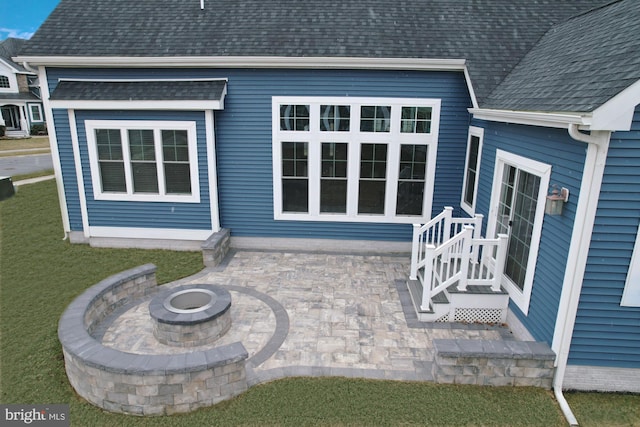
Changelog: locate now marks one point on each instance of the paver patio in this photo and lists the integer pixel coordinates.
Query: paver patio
(312, 314)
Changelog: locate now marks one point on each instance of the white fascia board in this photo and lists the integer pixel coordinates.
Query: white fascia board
(533, 118)
(472, 93)
(249, 62)
(137, 105)
(617, 113)
(13, 68)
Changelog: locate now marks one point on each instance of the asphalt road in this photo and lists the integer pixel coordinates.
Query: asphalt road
(20, 165)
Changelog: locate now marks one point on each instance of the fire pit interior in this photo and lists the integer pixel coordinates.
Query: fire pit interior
(191, 315)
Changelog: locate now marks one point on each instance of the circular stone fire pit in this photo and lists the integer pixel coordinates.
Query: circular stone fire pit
(191, 315)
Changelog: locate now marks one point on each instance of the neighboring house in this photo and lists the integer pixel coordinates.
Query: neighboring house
(19, 92)
(336, 126)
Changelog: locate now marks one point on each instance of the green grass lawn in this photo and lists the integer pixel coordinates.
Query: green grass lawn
(40, 274)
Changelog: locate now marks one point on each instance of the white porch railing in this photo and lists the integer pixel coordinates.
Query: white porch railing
(447, 250)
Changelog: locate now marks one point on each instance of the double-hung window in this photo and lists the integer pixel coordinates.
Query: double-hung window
(354, 159)
(143, 160)
(471, 168)
(35, 111)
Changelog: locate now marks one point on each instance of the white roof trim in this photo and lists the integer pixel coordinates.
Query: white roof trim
(472, 93)
(533, 118)
(617, 113)
(249, 62)
(12, 66)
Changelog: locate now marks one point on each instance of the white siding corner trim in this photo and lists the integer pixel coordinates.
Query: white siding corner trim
(631, 294)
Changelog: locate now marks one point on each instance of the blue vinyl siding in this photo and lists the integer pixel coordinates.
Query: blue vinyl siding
(243, 139)
(69, 176)
(605, 333)
(105, 213)
(566, 157)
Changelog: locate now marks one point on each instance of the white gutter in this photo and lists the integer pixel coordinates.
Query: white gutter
(532, 118)
(249, 62)
(597, 148)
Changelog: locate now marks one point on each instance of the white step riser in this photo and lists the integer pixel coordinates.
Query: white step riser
(499, 301)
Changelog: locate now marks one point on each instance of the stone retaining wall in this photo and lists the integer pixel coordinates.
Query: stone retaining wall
(135, 383)
(215, 248)
(493, 362)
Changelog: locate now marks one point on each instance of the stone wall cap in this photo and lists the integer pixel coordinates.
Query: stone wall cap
(493, 348)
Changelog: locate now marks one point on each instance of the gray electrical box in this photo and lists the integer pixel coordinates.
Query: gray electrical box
(6, 187)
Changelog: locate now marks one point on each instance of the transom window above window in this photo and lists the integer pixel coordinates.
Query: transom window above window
(335, 118)
(416, 119)
(294, 117)
(354, 159)
(143, 160)
(4, 82)
(375, 118)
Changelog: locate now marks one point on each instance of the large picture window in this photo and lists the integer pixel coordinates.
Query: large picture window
(354, 159)
(143, 160)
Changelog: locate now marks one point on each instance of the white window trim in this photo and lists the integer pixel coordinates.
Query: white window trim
(394, 138)
(631, 294)
(471, 209)
(156, 126)
(520, 297)
(39, 107)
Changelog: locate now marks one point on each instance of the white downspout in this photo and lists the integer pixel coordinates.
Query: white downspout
(597, 148)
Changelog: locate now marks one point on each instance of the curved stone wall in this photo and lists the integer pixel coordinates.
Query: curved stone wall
(135, 383)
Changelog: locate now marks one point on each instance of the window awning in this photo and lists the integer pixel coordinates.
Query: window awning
(200, 94)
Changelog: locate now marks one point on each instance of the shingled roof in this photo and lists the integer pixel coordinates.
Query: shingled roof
(578, 65)
(491, 35)
(10, 48)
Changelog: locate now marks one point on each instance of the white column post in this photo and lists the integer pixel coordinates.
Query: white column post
(427, 283)
(501, 258)
(464, 257)
(415, 252)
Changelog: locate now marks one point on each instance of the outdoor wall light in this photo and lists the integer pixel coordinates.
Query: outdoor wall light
(556, 200)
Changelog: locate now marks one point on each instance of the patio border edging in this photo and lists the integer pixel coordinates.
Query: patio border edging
(136, 383)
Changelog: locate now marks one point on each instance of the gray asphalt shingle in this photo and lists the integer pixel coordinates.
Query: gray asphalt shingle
(9, 48)
(211, 90)
(492, 35)
(578, 65)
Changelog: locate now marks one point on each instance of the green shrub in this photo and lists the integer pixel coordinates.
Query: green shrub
(38, 129)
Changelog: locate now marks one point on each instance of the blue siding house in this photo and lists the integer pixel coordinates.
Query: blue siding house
(503, 134)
